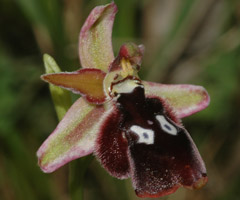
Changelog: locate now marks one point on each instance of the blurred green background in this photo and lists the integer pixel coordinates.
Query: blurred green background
(187, 41)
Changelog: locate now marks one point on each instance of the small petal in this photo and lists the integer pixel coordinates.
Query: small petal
(184, 99)
(95, 40)
(87, 82)
(73, 138)
(111, 146)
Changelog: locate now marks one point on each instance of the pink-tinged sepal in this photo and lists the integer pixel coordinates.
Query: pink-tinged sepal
(185, 100)
(73, 138)
(95, 40)
(87, 82)
(111, 145)
(161, 153)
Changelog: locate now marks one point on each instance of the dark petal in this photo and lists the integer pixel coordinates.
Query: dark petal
(111, 146)
(162, 155)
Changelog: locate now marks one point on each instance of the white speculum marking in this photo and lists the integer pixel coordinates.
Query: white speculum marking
(166, 126)
(145, 135)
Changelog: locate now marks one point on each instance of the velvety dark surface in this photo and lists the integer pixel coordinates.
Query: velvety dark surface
(171, 160)
(111, 148)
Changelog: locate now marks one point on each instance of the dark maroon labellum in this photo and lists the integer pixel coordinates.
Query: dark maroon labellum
(143, 140)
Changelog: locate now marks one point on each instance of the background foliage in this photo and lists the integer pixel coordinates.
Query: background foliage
(187, 41)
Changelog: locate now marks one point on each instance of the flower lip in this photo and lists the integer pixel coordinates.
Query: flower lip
(156, 195)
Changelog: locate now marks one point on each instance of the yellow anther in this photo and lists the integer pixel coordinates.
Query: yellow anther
(127, 68)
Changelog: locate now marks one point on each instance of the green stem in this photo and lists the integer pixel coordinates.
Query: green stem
(62, 102)
(77, 169)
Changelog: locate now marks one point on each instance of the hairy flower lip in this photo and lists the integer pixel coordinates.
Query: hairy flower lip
(160, 194)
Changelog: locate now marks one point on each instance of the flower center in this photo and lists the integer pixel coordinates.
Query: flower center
(122, 80)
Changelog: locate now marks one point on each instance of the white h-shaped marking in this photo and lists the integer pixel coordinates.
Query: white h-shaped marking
(145, 135)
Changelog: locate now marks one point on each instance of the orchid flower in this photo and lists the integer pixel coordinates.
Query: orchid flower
(133, 127)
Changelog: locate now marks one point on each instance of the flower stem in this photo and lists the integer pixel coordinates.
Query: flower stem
(77, 169)
(62, 102)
